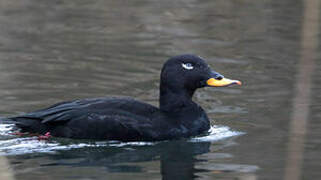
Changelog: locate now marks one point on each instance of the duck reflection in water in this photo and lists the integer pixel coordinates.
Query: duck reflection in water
(177, 158)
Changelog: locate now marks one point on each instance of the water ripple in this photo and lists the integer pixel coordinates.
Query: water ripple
(11, 145)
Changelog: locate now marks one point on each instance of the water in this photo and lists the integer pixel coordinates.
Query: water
(15, 145)
(53, 51)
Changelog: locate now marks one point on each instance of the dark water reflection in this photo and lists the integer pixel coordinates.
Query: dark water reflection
(177, 160)
(54, 51)
(170, 160)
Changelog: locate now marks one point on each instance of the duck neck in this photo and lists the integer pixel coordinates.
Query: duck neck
(175, 99)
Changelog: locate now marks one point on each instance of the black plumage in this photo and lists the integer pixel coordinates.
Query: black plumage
(126, 119)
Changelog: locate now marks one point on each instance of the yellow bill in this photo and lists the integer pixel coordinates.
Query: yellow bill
(222, 82)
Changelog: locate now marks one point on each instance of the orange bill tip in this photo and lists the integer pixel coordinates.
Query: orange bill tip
(238, 82)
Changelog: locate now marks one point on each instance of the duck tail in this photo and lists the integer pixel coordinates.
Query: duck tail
(4, 120)
(25, 124)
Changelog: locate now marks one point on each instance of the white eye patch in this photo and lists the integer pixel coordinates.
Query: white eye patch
(187, 66)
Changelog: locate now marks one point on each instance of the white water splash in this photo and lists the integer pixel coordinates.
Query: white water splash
(5, 129)
(11, 145)
(217, 133)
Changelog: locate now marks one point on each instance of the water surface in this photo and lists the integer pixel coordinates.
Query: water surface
(53, 51)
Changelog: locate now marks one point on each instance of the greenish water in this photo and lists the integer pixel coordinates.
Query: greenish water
(52, 51)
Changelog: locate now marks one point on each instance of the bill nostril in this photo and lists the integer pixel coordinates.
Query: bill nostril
(219, 77)
(216, 75)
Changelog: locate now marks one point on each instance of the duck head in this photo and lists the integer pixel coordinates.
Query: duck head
(182, 75)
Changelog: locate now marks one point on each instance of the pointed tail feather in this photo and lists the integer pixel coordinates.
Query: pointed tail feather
(26, 124)
(4, 120)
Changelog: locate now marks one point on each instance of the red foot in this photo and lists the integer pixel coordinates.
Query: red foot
(44, 137)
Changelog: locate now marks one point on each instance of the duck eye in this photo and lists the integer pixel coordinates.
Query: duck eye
(187, 66)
